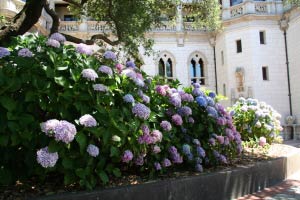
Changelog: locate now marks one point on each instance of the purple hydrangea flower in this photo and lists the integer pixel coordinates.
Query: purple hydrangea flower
(212, 95)
(220, 139)
(157, 136)
(197, 92)
(200, 152)
(139, 160)
(65, 132)
(141, 111)
(145, 129)
(229, 134)
(172, 150)
(119, 67)
(88, 121)
(129, 73)
(53, 43)
(156, 149)
(226, 141)
(221, 121)
(128, 98)
(110, 55)
(161, 90)
(166, 162)
(175, 100)
(212, 141)
(92, 150)
(45, 158)
(166, 126)
(84, 49)
(198, 168)
(187, 97)
(4, 52)
(190, 156)
(177, 120)
(196, 85)
(157, 166)
(25, 53)
(49, 126)
(212, 112)
(59, 37)
(89, 74)
(127, 156)
(186, 149)
(196, 142)
(201, 101)
(146, 99)
(130, 64)
(146, 139)
(185, 111)
(106, 70)
(210, 101)
(223, 159)
(139, 82)
(100, 88)
(191, 120)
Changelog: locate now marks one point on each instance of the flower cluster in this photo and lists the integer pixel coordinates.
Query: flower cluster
(141, 111)
(92, 150)
(106, 70)
(100, 88)
(88, 121)
(110, 55)
(4, 52)
(46, 158)
(89, 74)
(84, 49)
(53, 43)
(58, 37)
(25, 52)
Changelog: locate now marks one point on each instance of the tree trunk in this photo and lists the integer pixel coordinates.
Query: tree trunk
(23, 21)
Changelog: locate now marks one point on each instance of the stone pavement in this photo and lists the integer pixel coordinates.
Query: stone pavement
(287, 190)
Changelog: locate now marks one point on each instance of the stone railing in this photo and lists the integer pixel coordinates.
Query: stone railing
(262, 8)
(69, 26)
(165, 27)
(188, 26)
(236, 11)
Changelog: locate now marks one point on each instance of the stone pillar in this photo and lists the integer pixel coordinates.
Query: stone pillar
(179, 20)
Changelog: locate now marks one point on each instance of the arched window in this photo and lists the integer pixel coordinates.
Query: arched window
(165, 66)
(197, 70)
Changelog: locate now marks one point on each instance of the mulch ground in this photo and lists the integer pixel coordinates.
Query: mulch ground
(30, 189)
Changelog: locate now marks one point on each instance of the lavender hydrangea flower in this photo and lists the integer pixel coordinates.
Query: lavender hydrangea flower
(89, 74)
(186, 149)
(212, 112)
(146, 138)
(223, 159)
(177, 120)
(161, 90)
(45, 158)
(201, 101)
(48, 126)
(212, 141)
(190, 157)
(4, 52)
(187, 97)
(175, 100)
(156, 149)
(200, 152)
(25, 53)
(210, 101)
(196, 142)
(130, 64)
(88, 121)
(127, 156)
(196, 85)
(197, 92)
(220, 139)
(157, 136)
(146, 99)
(198, 168)
(139, 160)
(84, 49)
(191, 120)
(53, 43)
(166, 162)
(226, 141)
(139, 82)
(106, 70)
(141, 111)
(212, 95)
(100, 87)
(157, 166)
(110, 55)
(128, 98)
(65, 132)
(58, 37)
(129, 73)
(92, 150)
(166, 126)
(145, 129)
(185, 111)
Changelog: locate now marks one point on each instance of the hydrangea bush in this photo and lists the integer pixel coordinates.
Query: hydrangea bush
(88, 119)
(256, 120)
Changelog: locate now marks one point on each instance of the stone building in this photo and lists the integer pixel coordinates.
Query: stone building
(250, 57)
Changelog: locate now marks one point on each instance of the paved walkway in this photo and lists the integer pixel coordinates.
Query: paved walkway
(287, 190)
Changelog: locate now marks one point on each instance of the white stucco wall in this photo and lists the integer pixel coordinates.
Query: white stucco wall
(293, 40)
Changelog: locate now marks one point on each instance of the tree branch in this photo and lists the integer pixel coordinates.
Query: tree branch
(105, 39)
(55, 18)
(73, 2)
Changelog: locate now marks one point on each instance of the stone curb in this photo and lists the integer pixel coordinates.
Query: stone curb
(223, 185)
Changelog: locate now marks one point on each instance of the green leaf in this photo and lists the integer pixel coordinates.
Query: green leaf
(117, 172)
(82, 141)
(67, 163)
(8, 103)
(30, 96)
(80, 173)
(53, 146)
(69, 178)
(4, 140)
(114, 152)
(61, 81)
(62, 68)
(103, 176)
